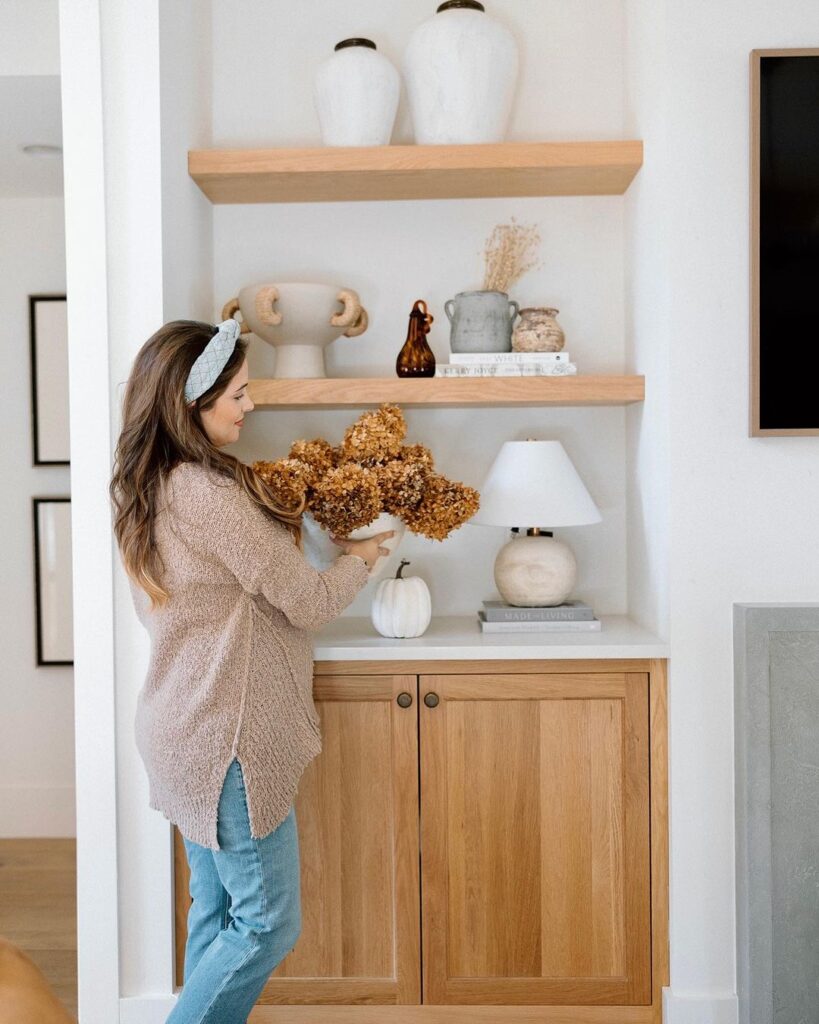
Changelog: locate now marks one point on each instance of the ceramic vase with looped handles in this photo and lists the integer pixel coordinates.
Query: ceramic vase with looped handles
(298, 320)
(460, 69)
(321, 552)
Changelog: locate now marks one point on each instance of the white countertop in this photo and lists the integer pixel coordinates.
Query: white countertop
(459, 636)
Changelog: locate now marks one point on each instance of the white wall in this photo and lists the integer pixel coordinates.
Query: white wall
(187, 215)
(741, 509)
(571, 86)
(36, 726)
(30, 33)
(171, 59)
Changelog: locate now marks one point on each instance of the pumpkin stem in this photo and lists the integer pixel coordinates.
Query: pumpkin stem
(398, 575)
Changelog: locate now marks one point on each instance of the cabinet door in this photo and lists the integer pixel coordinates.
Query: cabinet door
(357, 814)
(357, 817)
(535, 839)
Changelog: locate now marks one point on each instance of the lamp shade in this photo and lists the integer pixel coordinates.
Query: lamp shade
(533, 483)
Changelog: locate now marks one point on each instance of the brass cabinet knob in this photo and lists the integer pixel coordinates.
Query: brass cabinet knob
(431, 700)
(404, 699)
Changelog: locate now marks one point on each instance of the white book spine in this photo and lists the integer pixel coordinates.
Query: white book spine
(500, 370)
(509, 357)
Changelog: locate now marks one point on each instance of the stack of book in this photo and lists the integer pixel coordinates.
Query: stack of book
(506, 364)
(573, 616)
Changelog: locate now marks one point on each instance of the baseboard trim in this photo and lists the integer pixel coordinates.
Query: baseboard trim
(678, 1008)
(145, 1009)
(37, 812)
(689, 1008)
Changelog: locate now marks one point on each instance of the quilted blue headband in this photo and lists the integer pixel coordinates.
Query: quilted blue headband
(213, 360)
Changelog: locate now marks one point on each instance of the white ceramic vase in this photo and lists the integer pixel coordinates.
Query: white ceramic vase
(321, 552)
(356, 95)
(298, 319)
(460, 69)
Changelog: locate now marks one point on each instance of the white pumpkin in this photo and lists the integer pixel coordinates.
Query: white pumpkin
(401, 606)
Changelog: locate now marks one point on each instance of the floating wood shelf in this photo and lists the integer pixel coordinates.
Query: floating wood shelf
(342, 392)
(332, 173)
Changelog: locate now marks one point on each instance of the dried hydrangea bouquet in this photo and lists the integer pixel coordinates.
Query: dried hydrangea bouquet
(370, 482)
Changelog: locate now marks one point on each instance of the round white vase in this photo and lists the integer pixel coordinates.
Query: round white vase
(356, 95)
(321, 552)
(535, 570)
(460, 68)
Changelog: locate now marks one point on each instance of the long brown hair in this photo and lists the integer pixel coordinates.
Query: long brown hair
(160, 430)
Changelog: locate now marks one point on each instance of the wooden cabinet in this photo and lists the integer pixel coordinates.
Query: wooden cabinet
(491, 846)
(535, 838)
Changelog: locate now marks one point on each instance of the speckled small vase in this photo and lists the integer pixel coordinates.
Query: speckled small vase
(538, 331)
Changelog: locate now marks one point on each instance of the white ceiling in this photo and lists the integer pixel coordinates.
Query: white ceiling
(29, 113)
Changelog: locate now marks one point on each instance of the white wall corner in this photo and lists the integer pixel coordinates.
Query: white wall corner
(696, 1008)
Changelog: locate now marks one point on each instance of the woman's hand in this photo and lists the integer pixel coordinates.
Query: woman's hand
(368, 549)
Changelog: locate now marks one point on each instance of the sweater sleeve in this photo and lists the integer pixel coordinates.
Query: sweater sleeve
(263, 556)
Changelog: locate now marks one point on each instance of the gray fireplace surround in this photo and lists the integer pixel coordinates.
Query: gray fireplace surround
(776, 720)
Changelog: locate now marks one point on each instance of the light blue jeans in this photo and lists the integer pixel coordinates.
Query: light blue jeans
(246, 912)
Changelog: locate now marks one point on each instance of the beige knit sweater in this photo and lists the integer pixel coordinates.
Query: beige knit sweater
(231, 666)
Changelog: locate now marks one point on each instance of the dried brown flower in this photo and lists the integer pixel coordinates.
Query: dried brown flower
(287, 479)
(346, 498)
(375, 436)
(416, 453)
(446, 505)
(508, 253)
(318, 454)
(402, 485)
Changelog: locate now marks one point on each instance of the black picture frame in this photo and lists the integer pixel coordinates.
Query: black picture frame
(37, 345)
(784, 242)
(61, 590)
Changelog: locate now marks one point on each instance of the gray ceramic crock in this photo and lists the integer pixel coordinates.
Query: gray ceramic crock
(481, 321)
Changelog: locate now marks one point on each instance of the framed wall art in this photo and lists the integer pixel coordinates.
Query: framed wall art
(53, 581)
(784, 242)
(48, 330)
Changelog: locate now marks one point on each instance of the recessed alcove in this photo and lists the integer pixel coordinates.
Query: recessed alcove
(393, 251)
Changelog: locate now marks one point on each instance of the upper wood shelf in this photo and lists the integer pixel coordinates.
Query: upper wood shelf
(331, 173)
(342, 392)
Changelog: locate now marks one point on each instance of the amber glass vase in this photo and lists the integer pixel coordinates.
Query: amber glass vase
(416, 359)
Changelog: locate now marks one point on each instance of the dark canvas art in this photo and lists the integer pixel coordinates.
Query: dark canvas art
(785, 242)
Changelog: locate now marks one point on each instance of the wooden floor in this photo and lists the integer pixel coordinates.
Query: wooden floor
(38, 908)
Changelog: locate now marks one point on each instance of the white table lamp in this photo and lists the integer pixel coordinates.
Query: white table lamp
(533, 485)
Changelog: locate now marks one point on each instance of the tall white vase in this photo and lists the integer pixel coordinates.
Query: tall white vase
(356, 95)
(460, 69)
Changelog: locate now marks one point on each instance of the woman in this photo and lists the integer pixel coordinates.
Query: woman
(225, 720)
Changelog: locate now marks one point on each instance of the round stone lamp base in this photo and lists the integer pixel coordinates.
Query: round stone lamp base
(535, 570)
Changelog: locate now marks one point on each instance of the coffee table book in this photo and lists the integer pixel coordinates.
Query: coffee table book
(500, 611)
(539, 626)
